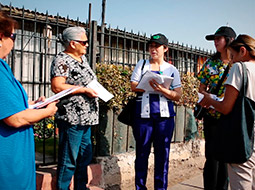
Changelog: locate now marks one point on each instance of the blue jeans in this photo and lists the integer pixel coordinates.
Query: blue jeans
(74, 155)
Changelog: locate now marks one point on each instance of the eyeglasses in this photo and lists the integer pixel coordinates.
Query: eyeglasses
(82, 42)
(13, 36)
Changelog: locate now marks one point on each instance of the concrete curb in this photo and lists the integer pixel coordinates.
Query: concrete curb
(117, 171)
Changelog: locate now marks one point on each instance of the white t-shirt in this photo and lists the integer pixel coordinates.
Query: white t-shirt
(235, 78)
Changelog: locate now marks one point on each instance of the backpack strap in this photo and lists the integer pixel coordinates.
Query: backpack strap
(144, 61)
(140, 93)
(221, 80)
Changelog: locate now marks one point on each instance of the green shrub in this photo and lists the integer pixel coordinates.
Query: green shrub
(116, 79)
(40, 132)
(190, 87)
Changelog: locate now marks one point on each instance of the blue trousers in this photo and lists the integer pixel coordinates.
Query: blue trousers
(74, 155)
(159, 131)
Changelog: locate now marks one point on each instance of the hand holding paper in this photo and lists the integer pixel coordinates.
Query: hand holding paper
(213, 96)
(148, 76)
(53, 98)
(100, 90)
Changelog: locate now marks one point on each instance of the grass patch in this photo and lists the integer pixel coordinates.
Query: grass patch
(49, 146)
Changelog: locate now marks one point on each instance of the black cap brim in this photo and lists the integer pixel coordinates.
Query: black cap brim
(157, 42)
(210, 37)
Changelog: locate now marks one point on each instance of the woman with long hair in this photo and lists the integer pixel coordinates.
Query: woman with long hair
(242, 49)
(215, 172)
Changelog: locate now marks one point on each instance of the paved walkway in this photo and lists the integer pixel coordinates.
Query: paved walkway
(195, 183)
(95, 188)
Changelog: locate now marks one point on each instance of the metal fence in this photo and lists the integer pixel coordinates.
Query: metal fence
(127, 48)
(37, 44)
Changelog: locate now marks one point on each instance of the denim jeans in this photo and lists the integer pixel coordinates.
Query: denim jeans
(74, 155)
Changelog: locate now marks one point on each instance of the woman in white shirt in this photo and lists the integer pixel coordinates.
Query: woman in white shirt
(154, 114)
(241, 176)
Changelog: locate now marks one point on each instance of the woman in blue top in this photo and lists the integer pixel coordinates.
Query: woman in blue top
(17, 151)
(154, 115)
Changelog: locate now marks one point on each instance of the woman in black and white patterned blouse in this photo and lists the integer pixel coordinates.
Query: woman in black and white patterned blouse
(77, 112)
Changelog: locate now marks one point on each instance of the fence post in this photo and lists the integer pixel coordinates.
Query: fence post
(93, 44)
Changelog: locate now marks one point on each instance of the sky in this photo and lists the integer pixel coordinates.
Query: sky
(185, 22)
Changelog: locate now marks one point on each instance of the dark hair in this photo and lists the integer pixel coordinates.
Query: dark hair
(217, 55)
(6, 24)
(246, 41)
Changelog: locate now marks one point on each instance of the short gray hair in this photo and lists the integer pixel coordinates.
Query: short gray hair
(71, 33)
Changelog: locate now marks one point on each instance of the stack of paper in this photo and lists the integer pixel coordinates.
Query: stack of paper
(53, 98)
(148, 76)
(96, 86)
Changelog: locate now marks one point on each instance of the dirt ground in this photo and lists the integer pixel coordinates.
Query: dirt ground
(181, 170)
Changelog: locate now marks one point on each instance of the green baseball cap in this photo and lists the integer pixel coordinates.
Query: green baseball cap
(159, 39)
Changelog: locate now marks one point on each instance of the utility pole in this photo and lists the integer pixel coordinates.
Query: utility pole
(102, 31)
(89, 15)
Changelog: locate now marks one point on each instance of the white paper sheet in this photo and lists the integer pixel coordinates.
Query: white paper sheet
(200, 97)
(100, 90)
(53, 98)
(213, 96)
(148, 76)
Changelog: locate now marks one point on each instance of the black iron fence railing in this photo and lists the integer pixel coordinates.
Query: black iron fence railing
(37, 44)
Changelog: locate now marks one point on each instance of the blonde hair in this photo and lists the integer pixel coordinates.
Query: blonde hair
(246, 41)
